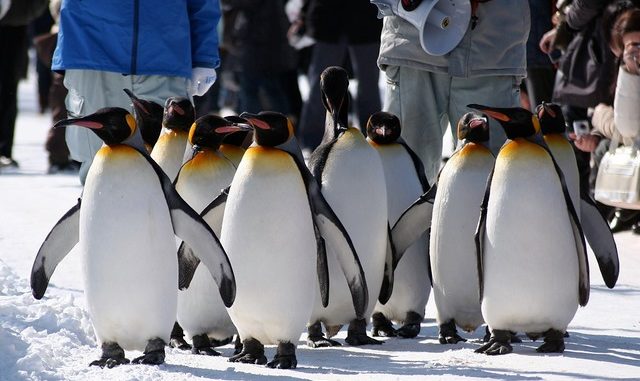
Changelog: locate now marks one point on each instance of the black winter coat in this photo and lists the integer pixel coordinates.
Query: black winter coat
(328, 20)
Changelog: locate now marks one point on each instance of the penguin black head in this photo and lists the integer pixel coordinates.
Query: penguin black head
(551, 118)
(113, 125)
(473, 127)
(270, 128)
(237, 138)
(178, 114)
(383, 127)
(517, 122)
(209, 131)
(334, 84)
(148, 117)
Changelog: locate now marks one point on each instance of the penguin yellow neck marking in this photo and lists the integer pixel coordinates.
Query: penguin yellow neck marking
(557, 140)
(120, 149)
(522, 147)
(171, 134)
(260, 155)
(472, 148)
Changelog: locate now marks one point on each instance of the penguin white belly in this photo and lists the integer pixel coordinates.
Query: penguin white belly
(200, 308)
(169, 151)
(353, 184)
(456, 211)
(268, 234)
(126, 235)
(530, 260)
(566, 159)
(411, 285)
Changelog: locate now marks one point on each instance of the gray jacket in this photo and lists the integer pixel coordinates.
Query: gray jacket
(497, 45)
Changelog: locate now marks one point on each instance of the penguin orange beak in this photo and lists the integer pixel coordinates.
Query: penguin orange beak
(255, 121)
(233, 128)
(136, 101)
(491, 112)
(477, 122)
(80, 122)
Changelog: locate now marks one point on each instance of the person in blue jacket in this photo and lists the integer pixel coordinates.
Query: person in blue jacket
(156, 49)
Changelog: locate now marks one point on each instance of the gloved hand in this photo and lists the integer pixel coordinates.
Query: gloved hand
(202, 79)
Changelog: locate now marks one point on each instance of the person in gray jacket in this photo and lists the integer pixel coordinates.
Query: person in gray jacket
(428, 92)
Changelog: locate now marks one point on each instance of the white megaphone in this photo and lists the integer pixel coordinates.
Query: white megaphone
(441, 23)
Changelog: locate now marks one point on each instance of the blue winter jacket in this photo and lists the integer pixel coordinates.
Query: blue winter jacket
(144, 37)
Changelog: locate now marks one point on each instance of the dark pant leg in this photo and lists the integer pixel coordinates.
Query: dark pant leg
(540, 81)
(55, 143)
(364, 61)
(312, 118)
(13, 45)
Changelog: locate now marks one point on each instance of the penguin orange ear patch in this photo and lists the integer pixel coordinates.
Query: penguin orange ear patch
(259, 124)
(89, 124)
(226, 129)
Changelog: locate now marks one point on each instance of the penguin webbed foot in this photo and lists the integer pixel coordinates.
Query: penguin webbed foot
(202, 345)
(112, 356)
(285, 357)
(411, 326)
(316, 339)
(553, 342)
(499, 344)
(409, 331)
(109, 362)
(252, 353)
(449, 333)
(153, 353)
(382, 327)
(237, 345)
(357, 334)
(177, 338)
(321, 342)
(180, 343)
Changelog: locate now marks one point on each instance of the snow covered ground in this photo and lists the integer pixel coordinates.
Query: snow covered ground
(52, 339)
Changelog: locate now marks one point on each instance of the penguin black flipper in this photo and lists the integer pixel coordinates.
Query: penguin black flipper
(417, 163)
(322, 266)
(578, 234)
(600, 238)
(191, 228)
(187, 261)
(480, 235)
(333, 232)
(413, 222)
(59, 242)
(390, 264)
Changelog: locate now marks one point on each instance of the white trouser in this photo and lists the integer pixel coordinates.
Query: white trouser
(426, 102)
(91, 90)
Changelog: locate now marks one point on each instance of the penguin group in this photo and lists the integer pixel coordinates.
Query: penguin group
(356, 235)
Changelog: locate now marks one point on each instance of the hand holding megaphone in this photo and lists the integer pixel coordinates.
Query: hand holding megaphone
(441, 23)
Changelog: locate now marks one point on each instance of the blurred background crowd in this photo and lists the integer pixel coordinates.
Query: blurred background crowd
(581, 54)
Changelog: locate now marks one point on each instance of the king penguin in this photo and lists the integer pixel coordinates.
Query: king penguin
(148, 119)
(125, 224)
(170, 149)
(406, 181)
(201, 312)
(532, 264)
(456, 209)
(276, 223)
(595, 227)
(351, 177)
(233, 145)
